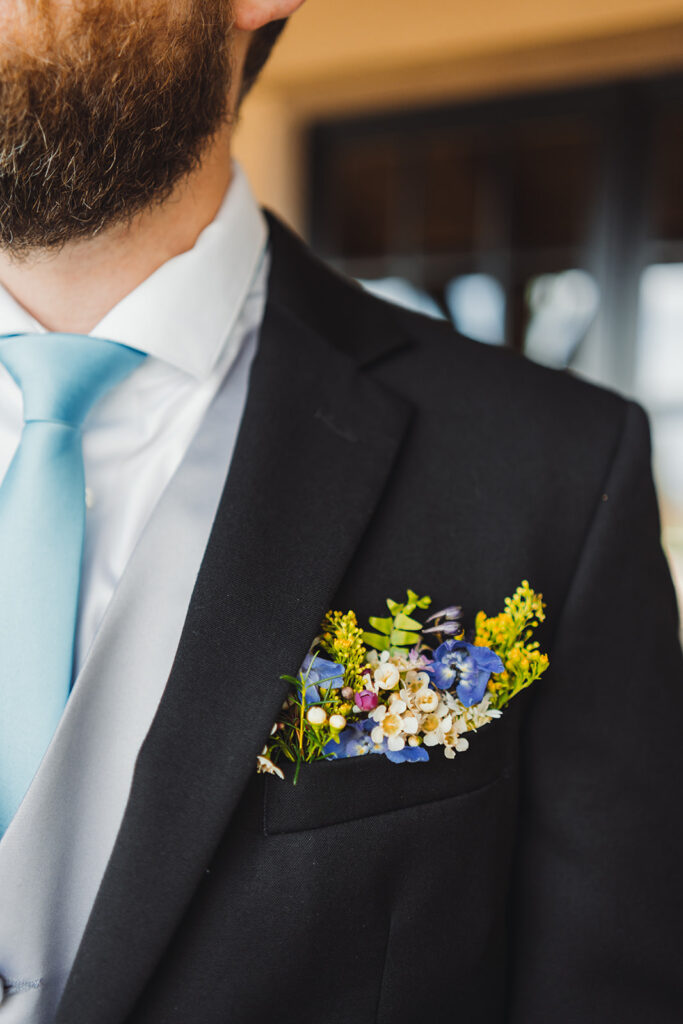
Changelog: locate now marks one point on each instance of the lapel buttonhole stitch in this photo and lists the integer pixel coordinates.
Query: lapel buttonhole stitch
(328, 420)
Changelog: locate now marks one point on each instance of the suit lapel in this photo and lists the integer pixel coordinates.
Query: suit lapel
(316, 446)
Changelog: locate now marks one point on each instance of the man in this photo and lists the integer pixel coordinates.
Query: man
(259, 441)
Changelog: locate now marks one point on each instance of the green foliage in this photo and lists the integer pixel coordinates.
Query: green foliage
(294, 737)
(398, 633)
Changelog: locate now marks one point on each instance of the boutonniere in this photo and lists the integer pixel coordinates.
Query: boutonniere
(404, 688)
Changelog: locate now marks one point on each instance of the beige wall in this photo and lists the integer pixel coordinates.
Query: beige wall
(342, 55)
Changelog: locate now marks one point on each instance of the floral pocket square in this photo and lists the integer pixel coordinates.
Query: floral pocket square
(403, 689)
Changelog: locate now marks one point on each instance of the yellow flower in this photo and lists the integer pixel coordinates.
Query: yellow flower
(342, 638)
(509, 635)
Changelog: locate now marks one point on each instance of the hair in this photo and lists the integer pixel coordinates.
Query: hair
(259, 51)
(101, 122)
(101, 115)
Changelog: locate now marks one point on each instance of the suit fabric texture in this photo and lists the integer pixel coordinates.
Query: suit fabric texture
(534, 879)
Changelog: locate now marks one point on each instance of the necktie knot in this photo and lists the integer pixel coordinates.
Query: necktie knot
(62, 376)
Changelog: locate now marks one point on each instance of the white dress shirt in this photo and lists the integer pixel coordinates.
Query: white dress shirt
(156, 453)
(190, 317)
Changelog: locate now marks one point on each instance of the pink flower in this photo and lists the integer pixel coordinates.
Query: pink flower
(366, 700)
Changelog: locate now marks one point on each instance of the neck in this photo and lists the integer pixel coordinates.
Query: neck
(72, 290)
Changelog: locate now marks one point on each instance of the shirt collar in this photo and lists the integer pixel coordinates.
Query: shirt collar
(184, 312)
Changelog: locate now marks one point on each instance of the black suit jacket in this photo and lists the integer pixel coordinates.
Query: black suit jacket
(534, 880)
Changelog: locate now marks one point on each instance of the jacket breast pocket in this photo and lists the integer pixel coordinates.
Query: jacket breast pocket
(348, 789)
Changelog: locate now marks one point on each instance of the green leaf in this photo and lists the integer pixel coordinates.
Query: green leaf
(403, 621)
(399, 638)
(380, 643)
(383, 625)
(394, 607)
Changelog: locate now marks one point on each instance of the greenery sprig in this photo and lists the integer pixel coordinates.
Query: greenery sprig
(399, 632)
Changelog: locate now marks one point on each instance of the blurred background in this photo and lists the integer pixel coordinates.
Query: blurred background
(515, 166)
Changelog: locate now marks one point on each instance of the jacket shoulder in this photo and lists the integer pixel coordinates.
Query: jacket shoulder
(445, 374)
(501, 385)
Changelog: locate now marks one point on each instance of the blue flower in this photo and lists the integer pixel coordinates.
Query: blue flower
(355, 741)
(407, 754)
(318, 672)
(352, 742)
(465, 666)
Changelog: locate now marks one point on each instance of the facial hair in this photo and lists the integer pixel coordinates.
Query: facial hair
(104, 108)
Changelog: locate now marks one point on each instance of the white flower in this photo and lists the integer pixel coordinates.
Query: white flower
(427, 700)
(317, 716)
(430, 728)
(410, 724)
(400, 662)
(386, 675)
(455, 743)
(396, 704)
(417, 676)
(436, 729)
(265, 765)
(391, 725)
(377, 735)
(396, 743)
(476, 715)
(337, 722)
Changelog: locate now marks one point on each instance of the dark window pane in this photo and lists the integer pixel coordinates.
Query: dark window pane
(553, 178)
(361, 197)
(667, 191)
(450, 199)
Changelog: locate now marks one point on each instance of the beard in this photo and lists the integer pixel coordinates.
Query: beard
(104, 109)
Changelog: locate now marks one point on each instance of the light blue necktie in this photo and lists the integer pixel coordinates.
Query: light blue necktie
(42, 521)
